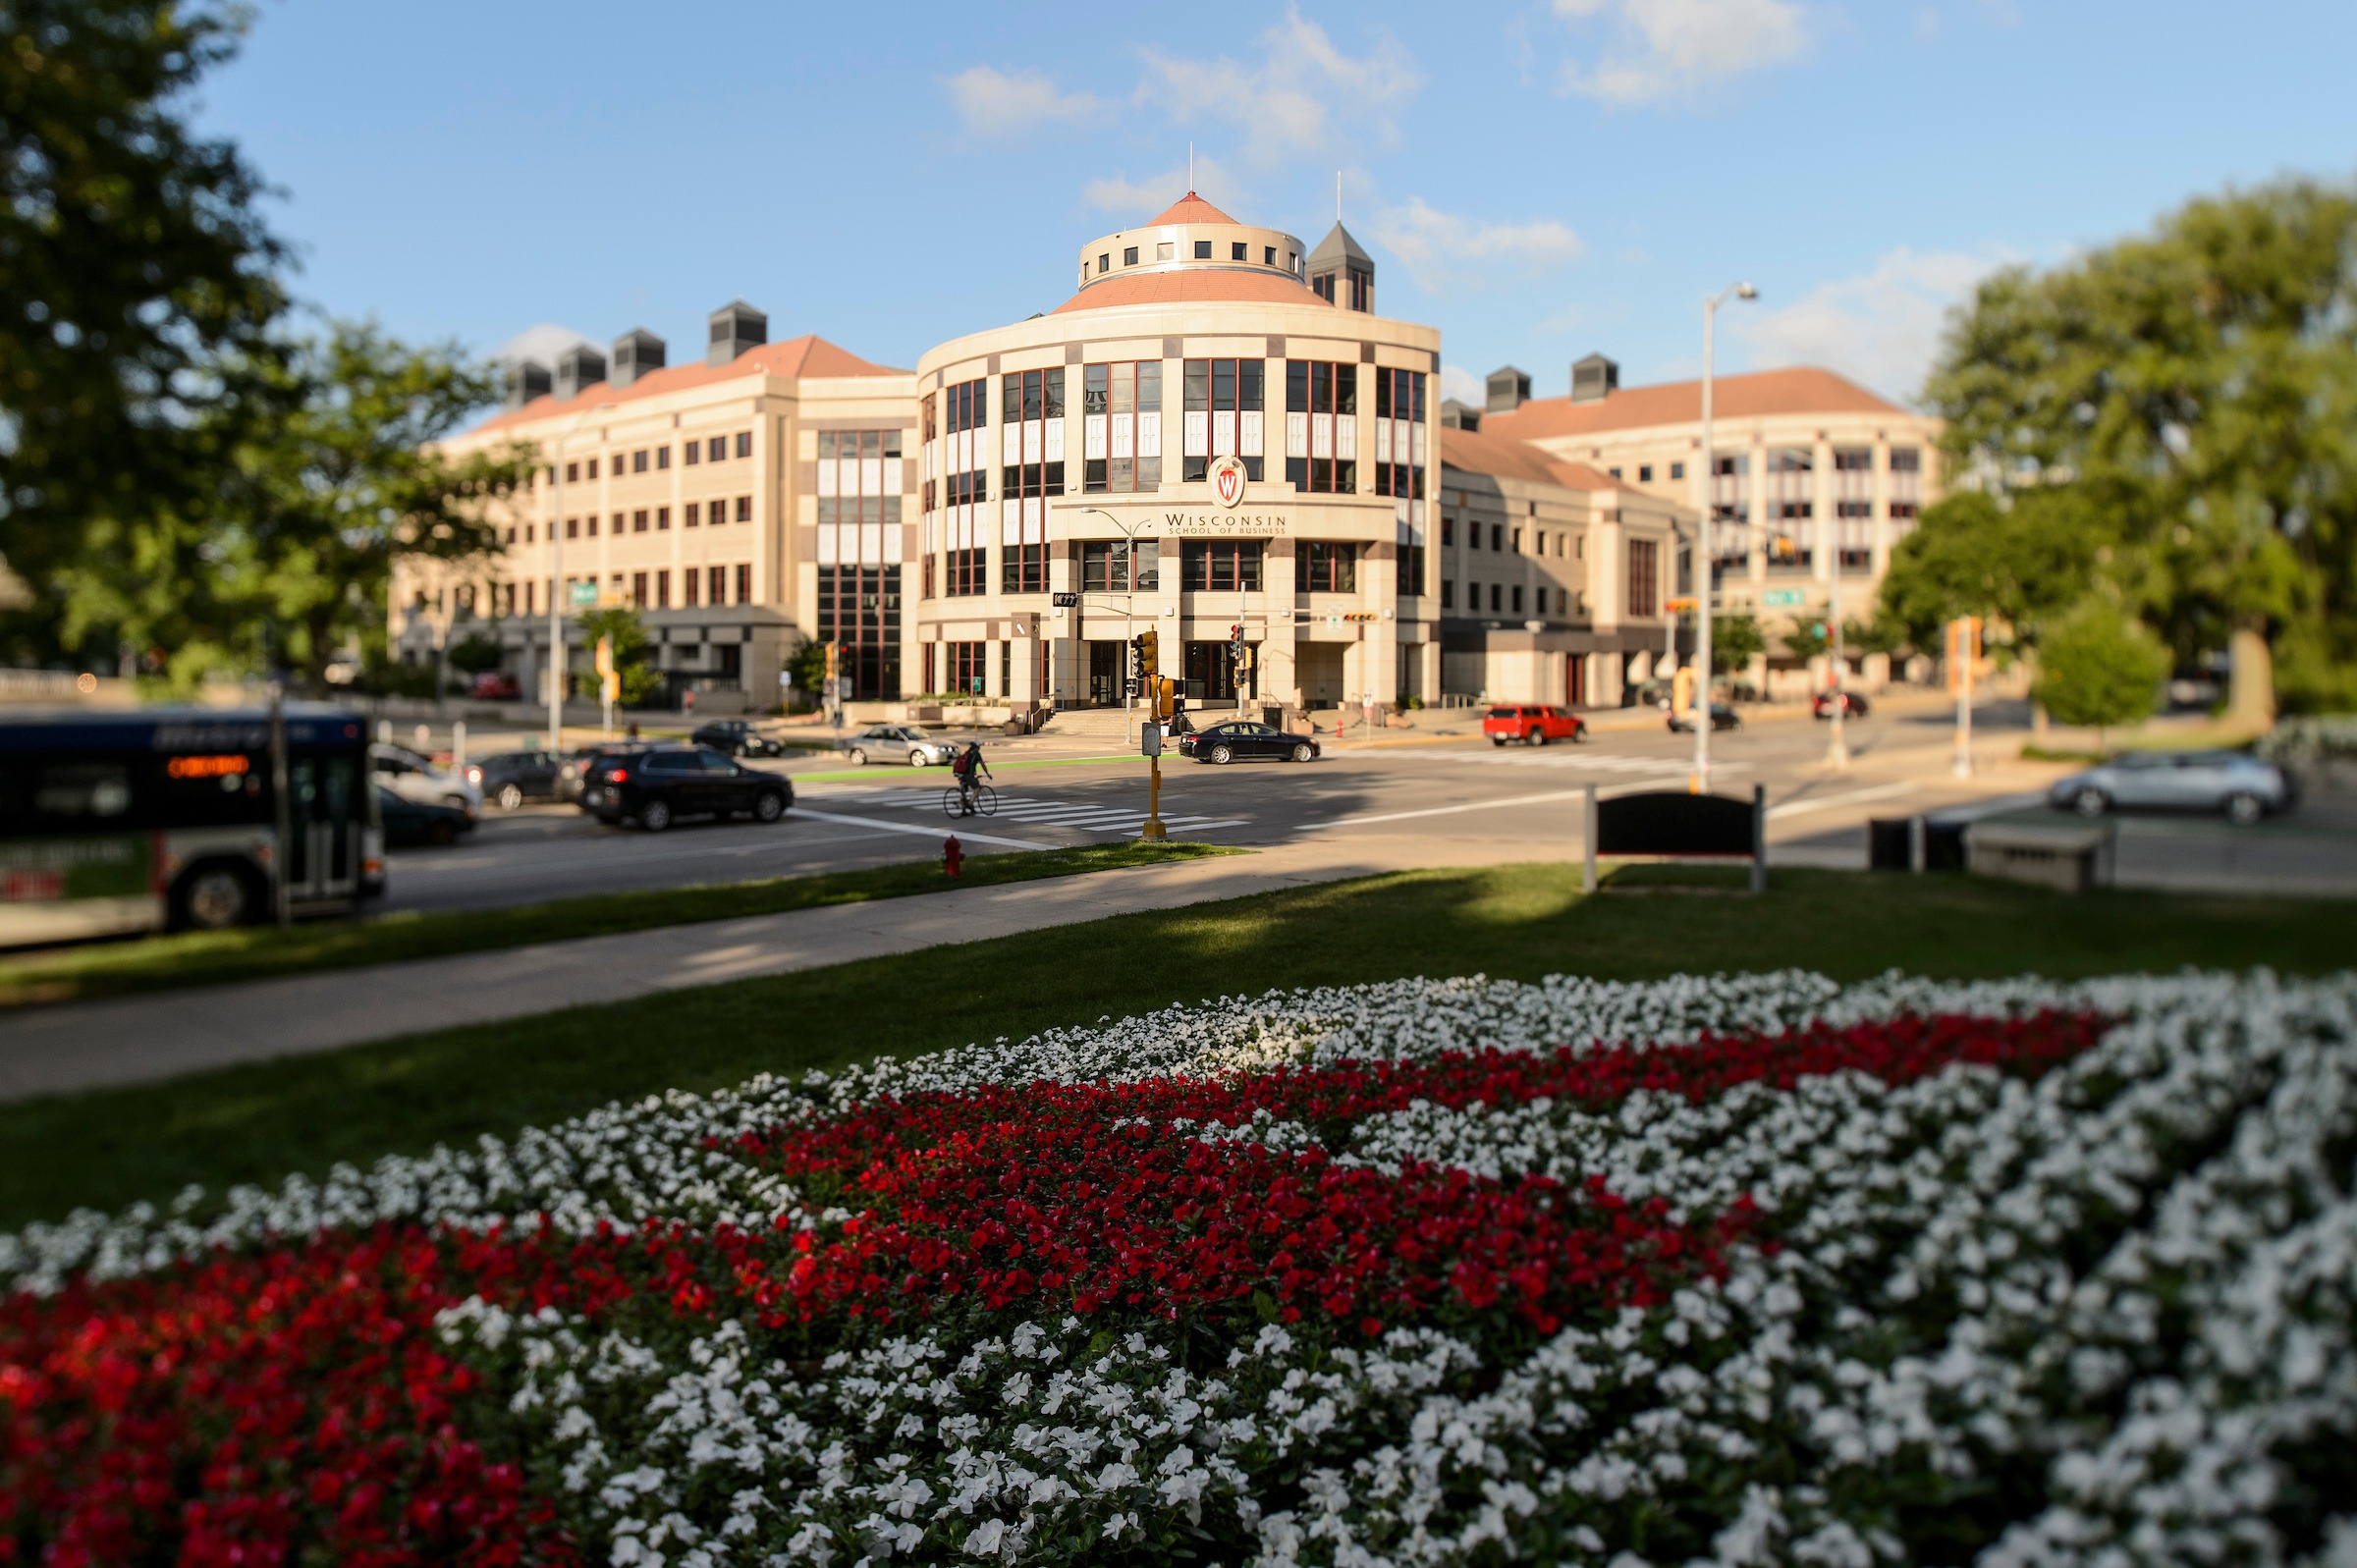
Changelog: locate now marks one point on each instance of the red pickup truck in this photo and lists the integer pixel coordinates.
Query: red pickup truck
(1532, 725)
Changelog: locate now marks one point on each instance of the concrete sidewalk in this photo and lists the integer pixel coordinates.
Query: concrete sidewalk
(94, 1044)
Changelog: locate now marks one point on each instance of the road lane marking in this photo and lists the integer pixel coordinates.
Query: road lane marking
(1795, 808)
(964, 835)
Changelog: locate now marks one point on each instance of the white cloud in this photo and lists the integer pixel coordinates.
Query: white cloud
(1441, 249)
(1464, 385)
(1142, 198)
(543, 342)
(996, 103)
(1881, 328)
(1661, 48)
(1299, 97)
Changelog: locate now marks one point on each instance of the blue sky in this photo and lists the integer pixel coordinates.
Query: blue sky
(1538, 179)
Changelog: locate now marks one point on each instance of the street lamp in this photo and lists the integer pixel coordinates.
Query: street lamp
(1705, 564)
(558, 674)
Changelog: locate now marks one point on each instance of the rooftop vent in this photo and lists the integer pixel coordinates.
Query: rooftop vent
(1509, 389)
(579, 368)
(1594, 378)
(526, 379)
(1456, 415)
(737, 327)
(635, 353)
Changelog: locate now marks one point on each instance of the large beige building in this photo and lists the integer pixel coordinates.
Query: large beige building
(693, 494)
(1816, 478)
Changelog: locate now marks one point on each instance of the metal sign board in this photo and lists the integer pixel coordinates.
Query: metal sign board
(584, 593)
(1065, 601)
(1780, 598)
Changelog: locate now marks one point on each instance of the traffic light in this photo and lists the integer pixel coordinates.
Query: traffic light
(1147, 646)
(1165, 696)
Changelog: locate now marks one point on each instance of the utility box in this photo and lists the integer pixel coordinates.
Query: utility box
(2068, 856)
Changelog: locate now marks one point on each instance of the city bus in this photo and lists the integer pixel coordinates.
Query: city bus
(166, 819)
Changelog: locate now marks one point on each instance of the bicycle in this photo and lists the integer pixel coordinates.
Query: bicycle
(986, 802)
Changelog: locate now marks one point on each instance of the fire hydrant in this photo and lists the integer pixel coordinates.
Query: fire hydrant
(953, 854)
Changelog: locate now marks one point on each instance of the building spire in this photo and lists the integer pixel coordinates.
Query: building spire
(1338, 195)
(1190, 168)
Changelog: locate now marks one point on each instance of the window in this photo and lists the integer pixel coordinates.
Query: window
(620, 523)
(638, 520)
(1121, 566)
(1644, 579)
(966, 667)
(662, 590)
(1517, 537)
(1517, 598)
(637, 461)
(690, 581)
(717, 447)
(1644, 473)
(1221, 565)
(638, 590)
(1238, 251)
(1494, 596)
(744, 592)
(1677, 471)
(691, 452)
(1411, 569)
(1447, 593)
(1031, 450)
(744, 443)
(592, 467)
(1321, 426)
(1268, 255)
(717, 580)
(1104, 261)
(1167, 251)
(689, 512)
(1329, 567)
(1615, 472)
(1449, 531)
(1202, 251)
(1120, 427)
(1225, 416)
(1399, 436)
(662, 520)
(1473, 535)
(958, 482)
(572, 472)
(1498, 536)
(1731, 509)
(745, 509)
(1129, 256)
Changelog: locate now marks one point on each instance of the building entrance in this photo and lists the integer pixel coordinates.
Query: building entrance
(1104, 677)
(1211, 672)
(1576, 680)
(1320, 666)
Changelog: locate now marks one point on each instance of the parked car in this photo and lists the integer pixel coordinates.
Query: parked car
(660, 785)
(1852, 705)
(1723, 717)
(496, 686)
(573, 767)
(409, 823)
(2243, 787)
(1238, 740)
(899, 743)
(415, 777)
(1531, 723)
(511, 778)
(736, 737)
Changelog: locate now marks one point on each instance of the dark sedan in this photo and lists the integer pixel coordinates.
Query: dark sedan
(511, 778)
(734, 738)
(1723, 717)
(661, 784)
(410, 822)
(1852, 705)
(1241, 741)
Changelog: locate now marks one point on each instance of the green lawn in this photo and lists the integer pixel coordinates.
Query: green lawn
(258, 953)
(257, 1123)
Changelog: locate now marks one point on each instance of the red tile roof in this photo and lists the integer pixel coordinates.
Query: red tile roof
(795, 359)
(1805, 391)
(1503, 458)
(1190, 208)
(1190, 284)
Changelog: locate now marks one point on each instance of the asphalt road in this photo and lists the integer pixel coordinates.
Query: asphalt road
(1461, 802)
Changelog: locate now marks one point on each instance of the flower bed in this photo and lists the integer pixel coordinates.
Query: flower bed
(1750, 1269)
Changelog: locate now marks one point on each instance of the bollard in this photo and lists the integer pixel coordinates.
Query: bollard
(953, 854)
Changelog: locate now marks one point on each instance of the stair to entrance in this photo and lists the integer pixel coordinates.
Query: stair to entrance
(1109, 724)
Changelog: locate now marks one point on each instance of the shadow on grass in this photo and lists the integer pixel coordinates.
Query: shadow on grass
(257, 1123)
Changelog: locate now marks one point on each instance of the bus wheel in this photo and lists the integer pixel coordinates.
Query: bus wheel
(215, 897)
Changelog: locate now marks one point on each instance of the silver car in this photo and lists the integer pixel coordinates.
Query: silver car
(897, 743)
(2241, 785)
(416, 779)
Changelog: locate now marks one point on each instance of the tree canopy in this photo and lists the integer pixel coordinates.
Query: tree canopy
(2018, 564)
(2193, 395)
(142, 281)
(2097, 666)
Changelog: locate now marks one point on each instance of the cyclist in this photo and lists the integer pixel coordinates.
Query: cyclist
(969, 768)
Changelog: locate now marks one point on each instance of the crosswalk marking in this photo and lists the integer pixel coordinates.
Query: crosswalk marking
(1037, 811)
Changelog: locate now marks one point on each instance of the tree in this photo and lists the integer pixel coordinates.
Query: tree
(2014, 560)
(2195, 391)
(476, 653)
(633, 659)
(134, 324)
(1736, 641)
(2097, 667)
(287, 562)
(1806, 638)
(808, 665)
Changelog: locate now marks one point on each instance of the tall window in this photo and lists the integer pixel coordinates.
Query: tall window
(966, 664)
(1791, 506)
(1321, 426)
(1120, 427)
(1731, 508)
(1225, 415)
(958, 485)
(1329, 567)
(1644, 579)
(1411, 569)
(1399, 432)
(1031, 469)
(1121, 566)
(1906, 489)
(745, 584)
(1215, 566)
(859, 607)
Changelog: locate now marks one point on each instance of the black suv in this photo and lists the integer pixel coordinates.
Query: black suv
(660, 785)
(736, 736)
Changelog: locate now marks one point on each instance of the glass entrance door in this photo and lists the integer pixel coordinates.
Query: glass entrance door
(1105, 684)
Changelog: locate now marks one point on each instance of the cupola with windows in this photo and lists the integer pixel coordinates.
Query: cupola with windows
(1192, 237)
(1341, 272)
